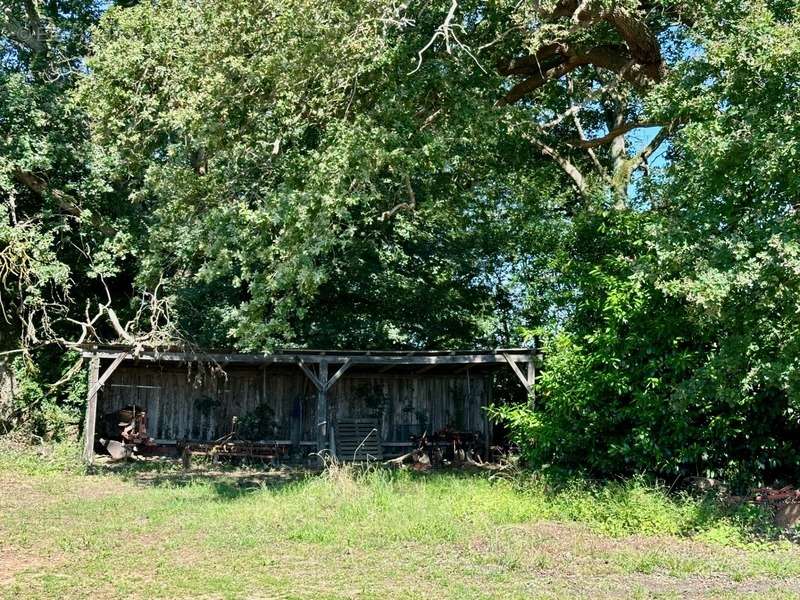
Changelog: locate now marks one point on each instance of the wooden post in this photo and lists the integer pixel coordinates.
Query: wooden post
(331, 427)
(488, 425)
(96, 381)
(322, 407)
(91, 411)
(532, 381)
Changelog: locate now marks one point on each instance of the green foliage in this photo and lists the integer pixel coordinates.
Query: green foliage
(679, 352)
(55, 209)
(441, 506)
(42, 410)
(259, 424)
(45, 459)
(313, 193)
(635, 506)
(471, 535)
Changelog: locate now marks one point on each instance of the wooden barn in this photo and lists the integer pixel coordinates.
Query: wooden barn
(349, 403)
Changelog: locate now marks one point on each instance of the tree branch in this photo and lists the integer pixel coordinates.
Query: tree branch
(410, 205)
(66, 202)
(613, 134)
(662, 136)
(443, 31)
(638, 60)
(31, 35)
(576, 107)
(570, 169)
(642, 43)
(610, 57)
(532, 63)
(579, 128)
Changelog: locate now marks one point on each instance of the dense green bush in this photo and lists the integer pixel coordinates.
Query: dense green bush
(640, 379)
(49, 396)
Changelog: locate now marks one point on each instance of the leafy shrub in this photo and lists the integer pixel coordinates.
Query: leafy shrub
(640, 379)
(43, 404)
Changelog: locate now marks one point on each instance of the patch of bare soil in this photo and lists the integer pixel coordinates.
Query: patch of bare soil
(662, 585)
(13, 562)
(25, 491)
(17, 491)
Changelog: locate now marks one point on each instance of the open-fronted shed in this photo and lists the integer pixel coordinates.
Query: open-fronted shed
(305, 400)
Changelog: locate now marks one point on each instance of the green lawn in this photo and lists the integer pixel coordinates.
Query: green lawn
(160, 533)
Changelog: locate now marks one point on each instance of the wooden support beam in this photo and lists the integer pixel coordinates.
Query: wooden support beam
(424, 369)
(532, 381)
(332, 431)
(331, 408)
(314, 379)
(106, 374)
(91, 411)
(489, 423)
(96, 382)
(322, 404)
(523, 379)
(338, 374)
(308, 359)
(386, 368)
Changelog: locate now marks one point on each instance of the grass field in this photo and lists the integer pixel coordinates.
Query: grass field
(156, 532)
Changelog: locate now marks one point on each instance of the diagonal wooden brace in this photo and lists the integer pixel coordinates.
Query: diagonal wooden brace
(523, 378)
(106, 374)
(314, 379)
(336, 376)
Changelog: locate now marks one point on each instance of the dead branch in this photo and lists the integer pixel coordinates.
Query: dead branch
(499, 38)
(412, 457)
(430, 119)
(447, 31)
(112, 318)
(444, 31)
(67, 377)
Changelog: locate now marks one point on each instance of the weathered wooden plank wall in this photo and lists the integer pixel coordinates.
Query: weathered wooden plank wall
(409, 405)
(184, 407)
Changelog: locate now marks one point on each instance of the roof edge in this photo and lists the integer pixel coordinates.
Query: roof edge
(298, 355)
